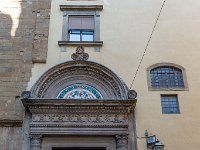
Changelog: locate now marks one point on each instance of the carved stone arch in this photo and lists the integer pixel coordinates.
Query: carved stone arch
(85, 72)
(165, 64)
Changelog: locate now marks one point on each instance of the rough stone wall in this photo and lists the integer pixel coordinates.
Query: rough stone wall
(40, 42)
(11, 139)
(24, 26)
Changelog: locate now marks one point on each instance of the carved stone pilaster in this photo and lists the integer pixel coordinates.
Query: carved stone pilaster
(36, 141)
(122, 142)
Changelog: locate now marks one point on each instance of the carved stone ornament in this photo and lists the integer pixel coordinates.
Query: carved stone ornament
(80, 54)
(122, 142)
(36, 141)
(26, 94)
(89, 119)
(51, 116)
(64, 75)
(132, 94)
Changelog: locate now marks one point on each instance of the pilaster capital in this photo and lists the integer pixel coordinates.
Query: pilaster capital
(122, 142)
(36, 140)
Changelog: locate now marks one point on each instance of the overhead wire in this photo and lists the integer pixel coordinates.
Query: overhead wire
(148, 42)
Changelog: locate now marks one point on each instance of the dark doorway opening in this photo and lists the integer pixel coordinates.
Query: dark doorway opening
(79, 148)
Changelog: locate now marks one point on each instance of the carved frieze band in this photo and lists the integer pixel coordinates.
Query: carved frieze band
(80, 110)
(83, 118)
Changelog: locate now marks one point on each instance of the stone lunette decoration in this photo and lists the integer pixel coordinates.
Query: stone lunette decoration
(93, 74)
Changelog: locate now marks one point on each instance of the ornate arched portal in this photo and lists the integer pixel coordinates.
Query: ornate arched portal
(84, 76)
(80, 104)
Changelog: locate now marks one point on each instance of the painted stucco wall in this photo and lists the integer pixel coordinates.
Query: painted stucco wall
(125, 30)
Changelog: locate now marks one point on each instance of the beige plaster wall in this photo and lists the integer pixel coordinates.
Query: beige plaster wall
(125, 29)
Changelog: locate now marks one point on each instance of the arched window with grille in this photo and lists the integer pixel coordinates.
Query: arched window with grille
(166, 76)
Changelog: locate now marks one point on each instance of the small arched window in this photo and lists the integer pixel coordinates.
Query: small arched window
(167, 77)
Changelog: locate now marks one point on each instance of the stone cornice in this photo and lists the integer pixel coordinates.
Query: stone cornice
(81, 7)
(82, 43)
(11, 123)
(78, 106)
(47, 101)
(79, 125)
(57, 116)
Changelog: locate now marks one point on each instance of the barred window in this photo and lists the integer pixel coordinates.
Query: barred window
(166, 77)
(170, 104)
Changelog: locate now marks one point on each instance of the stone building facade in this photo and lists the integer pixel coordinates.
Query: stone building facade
(80, 93)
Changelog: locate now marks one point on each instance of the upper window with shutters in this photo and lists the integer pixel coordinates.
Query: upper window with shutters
(81, 28)
(81, 25)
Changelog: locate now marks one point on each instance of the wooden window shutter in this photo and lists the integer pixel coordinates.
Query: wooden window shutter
(81, 22)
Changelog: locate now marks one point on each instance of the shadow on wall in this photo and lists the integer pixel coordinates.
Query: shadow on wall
(5, 26)
(24, 29)
(15, 58)
(5, 45)
(15, 69)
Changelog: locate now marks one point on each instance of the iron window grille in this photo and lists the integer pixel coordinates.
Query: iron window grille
(170, 104)
(166, 77)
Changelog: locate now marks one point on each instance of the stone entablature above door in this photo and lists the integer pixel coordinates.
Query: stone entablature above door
(79, 117)
(108, 117)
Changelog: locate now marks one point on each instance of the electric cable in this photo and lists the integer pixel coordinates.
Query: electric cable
(140, 62)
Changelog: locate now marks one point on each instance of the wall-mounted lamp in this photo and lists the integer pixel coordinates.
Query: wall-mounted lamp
(153, 143)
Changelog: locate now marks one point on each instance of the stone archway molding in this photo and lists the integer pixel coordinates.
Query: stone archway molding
(86, 72)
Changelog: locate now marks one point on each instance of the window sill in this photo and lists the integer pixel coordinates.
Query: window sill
(81, 7)
(83, 43)
(168, 89)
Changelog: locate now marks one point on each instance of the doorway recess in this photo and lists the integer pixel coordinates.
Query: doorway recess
(80, 148)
